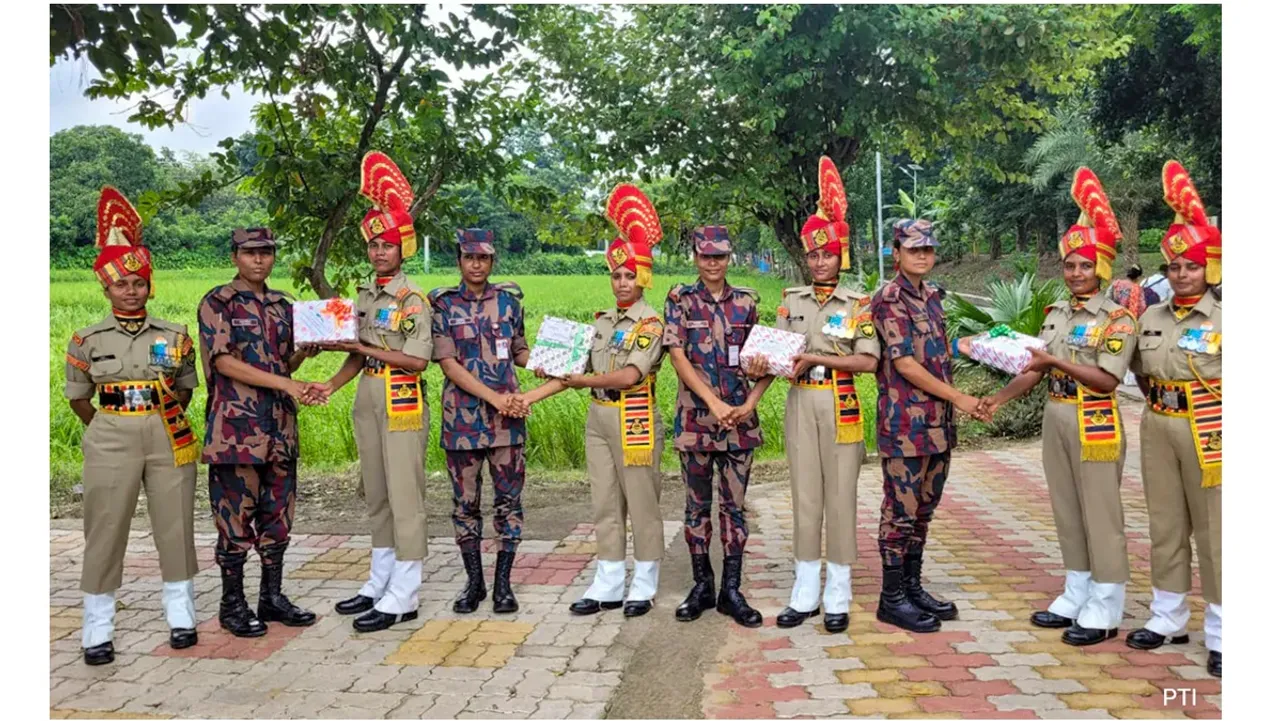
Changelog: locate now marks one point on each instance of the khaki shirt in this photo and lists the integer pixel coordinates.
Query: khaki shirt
(105, 353)
(800, 312)
(1100, 334)
(1159, 355)
(632, 337)
(410, 331)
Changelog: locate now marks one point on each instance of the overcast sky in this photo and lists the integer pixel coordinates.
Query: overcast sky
(209, 120)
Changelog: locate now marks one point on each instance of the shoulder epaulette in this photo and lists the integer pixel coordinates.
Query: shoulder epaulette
(105, 324)
(1120, 313)
(890, 292)
(223, 293)
(407, 291)
(508, 286)
(796, 289)
(678, 290)
(864, 299)
(169, 325)
(600, 313)
(75, 338)
(275, 296)
(752, 292)
(438, 293)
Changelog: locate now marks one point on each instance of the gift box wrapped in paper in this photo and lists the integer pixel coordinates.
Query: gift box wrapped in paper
(1004, 349)
(324, 321)
(562, 347)
(777, 346)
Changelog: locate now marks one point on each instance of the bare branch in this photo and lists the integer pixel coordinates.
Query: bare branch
(364, 33)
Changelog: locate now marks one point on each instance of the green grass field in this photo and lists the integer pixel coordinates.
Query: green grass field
(555, 427)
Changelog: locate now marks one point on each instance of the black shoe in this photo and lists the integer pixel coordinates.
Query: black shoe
(100, 654)
(233, 612)
(703, 595)
(474, 592)
(355, 604)
(588, 606)
(790, 618)
(1215, 664)
(731, 602)
(920, 598)
(183, 637)
(836, 622)
(1145, 640)
(1049, 619)
(894, 608)
(637, 608)
(376, 620)
(1078, 635)
(504, 600)
(273, 605)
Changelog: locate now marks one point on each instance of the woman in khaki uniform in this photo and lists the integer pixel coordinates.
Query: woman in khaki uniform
(390, 412)
(825, 446)
(1089, 345)
(142, 370)
(1179, 368)
(624, 429)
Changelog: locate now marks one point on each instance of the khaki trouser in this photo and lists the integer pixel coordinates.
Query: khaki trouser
(1085, 496)
(618, 490)
(393, 467)
(1177, 507)
(824, 478)
(123, 454)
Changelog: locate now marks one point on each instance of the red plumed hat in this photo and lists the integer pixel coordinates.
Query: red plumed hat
(1190, 236)
(119, 240)
(639, 230)
(385, 186)
(1097, 232)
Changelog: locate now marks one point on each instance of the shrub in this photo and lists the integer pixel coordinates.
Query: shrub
(1019, 418)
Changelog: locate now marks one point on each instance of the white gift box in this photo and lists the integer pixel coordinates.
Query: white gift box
(562, 347)
(777, 346)
(1009, 353)
(324, 321)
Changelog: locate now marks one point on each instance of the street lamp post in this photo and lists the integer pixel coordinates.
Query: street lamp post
(914, 169)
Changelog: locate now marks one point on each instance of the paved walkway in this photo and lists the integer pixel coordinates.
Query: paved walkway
(992, 550)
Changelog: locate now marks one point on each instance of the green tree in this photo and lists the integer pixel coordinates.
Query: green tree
(1169, 83)
(336, 81)
(738, 102)
(82, 160)
(1129, 170)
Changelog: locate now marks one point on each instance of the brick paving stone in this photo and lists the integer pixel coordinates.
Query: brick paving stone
(1037, 702)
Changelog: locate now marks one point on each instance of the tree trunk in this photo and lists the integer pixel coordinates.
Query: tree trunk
(1022, 239)
(1129, 221)
(789, 237)
(996, 247)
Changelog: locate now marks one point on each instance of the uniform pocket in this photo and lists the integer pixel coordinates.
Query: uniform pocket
(105, 367)
(1150, 342)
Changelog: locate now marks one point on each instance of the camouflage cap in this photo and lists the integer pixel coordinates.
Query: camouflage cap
(252, 238)
(711, 240)
(476, 240)
(914, 233)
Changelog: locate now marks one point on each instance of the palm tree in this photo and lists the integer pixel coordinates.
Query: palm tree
(1129, 170)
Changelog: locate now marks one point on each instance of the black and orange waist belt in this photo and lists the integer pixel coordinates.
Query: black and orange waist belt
(848, 407)
(635, 408)
(143, 398)
(1097, 416)
(1200, 402)
(403, 393)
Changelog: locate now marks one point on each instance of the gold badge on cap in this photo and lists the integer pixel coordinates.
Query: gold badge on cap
(131, 263)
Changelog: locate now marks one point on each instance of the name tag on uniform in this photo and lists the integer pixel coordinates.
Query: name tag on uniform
(733, 356)
(503, 346)
(245, 322)
(696, 324)
(459, 321)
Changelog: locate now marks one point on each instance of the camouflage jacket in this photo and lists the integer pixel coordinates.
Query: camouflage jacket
(711, 333)
(484, 334)
(911, 322)
(246, 424)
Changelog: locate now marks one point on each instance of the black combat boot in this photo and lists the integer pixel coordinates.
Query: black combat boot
(273, 605)
(703, 595)
(504, 600)
(1049, 619)
(731, 602)
(895, 609)
(920, 598)
(1215, 664)
(233, 612)
(1144, 639)
(101, 654)
(474, 592)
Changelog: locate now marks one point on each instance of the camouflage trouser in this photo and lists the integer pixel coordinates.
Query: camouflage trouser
(252, 506)
(912, 489)
(735, 472)
(506, 467)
